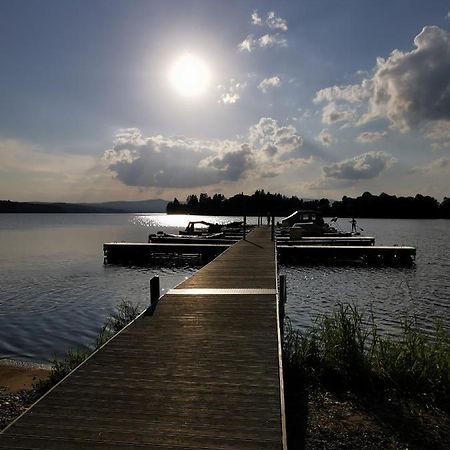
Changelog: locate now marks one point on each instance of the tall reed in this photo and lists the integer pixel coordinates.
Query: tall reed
(345, 349)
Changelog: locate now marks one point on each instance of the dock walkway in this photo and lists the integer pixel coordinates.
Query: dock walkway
(203, 371)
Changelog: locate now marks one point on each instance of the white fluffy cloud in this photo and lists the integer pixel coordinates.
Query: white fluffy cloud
(248, 44)
(268, 133)
(276, 23)
(272, 41)
(180, 162)
(362, 167)
(268, 40)
(367, 137)
(256, 18)
(411, 87)
(332, 113)
(231, 93)
(272, 21)
(269, 83)
(325, 138)
(353, 93)
(407, 88)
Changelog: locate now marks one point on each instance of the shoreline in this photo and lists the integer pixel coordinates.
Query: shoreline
(18, 375)
(17, 387)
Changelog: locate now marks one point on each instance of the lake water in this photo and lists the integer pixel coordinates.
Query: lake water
(55, 291)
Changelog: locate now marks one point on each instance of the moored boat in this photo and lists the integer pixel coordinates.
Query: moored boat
(310, 223)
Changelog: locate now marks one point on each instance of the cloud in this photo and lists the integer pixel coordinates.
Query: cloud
(272, 41)
(229, 98)
(332, 113)
(232, 92)
(407, 88)
(442, 163)
(256, 19)
(265, 41)
(276, 23)
(438, 165)
(29, 172)
(181, 162)
(362, 167)
(268, 40)
(272, 21)
(248, 44)
(353, 93)
(439, 130)
(414, 86)
(233, 163)
(325, 138)
(268, 83)
(370, 136)
(267, 132)
(158, 161)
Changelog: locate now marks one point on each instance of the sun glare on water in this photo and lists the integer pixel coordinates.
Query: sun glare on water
(189, 75)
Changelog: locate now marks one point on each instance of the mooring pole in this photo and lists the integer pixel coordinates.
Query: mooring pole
(273, 228)
(154, 290)
(245, 226)
(282, 301)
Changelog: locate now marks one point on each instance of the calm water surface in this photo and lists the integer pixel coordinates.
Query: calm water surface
(55, 291)
(422, 291)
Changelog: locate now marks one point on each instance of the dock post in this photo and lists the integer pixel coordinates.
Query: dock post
(282, 301)
(273, 228)
(245, 226)
(154, 290)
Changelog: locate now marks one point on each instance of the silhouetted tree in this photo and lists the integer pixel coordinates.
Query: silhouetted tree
(367, 205)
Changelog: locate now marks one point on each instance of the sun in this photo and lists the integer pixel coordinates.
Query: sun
(189, 75)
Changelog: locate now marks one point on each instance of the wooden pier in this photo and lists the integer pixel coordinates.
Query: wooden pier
(201, 370)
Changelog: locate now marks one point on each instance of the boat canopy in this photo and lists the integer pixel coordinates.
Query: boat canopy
(303, 216)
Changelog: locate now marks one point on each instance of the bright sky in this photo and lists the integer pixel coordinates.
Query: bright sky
(111, 100)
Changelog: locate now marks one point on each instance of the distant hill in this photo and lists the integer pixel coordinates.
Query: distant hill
(156, 205)
(144, 206)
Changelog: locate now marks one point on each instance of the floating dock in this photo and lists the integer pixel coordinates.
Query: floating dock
(331, 253)
(141, 252)
(327, 240)
(308, 240)
(202, 370)
(306, 249)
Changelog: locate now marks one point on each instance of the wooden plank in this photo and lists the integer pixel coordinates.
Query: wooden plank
(201, 372)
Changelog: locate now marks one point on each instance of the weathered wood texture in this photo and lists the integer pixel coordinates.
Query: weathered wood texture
(202, 372)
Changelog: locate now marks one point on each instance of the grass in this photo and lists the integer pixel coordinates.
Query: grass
(60, 367)
(345, 350)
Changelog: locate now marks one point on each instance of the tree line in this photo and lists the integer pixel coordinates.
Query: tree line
(263, 203)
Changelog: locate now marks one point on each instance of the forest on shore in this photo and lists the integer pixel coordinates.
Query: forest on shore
(263, 203)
